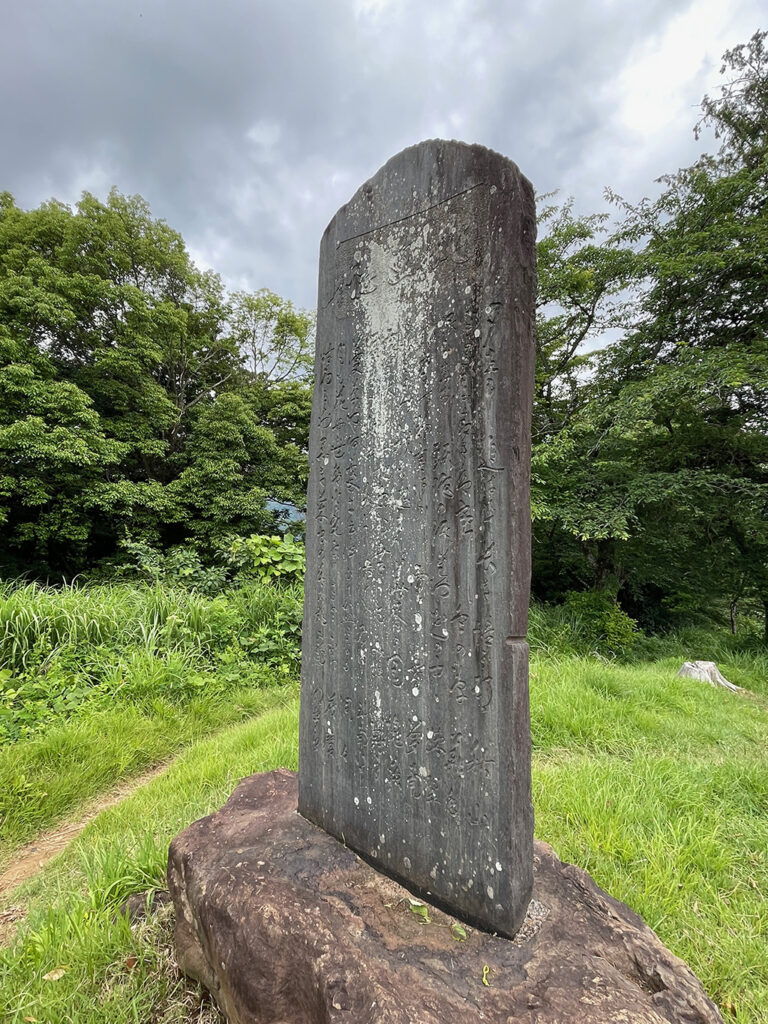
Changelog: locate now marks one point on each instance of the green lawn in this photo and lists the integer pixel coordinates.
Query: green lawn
(657, 785)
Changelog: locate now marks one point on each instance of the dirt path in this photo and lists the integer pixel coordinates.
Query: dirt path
(35, 855)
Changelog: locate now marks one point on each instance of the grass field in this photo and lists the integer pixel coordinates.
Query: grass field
(656, 785)
(99, 683)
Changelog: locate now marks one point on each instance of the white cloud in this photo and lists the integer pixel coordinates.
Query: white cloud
(248, 126)
(664, 83)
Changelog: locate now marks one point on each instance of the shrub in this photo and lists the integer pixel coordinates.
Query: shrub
(588, 623)
(268, 557)
(601, 622)
(180, 566)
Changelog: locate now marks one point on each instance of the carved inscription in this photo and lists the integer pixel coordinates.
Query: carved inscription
(408, 685)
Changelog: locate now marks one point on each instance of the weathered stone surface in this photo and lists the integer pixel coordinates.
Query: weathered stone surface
(415, 738)
(283, 923)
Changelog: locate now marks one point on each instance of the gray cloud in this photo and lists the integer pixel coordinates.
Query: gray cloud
(246, 124)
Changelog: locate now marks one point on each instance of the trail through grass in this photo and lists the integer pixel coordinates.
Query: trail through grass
(657, 785)
(28, 861)
(73, 905)
(49, 777)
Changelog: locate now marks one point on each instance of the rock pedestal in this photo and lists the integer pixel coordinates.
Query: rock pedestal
(281, 922)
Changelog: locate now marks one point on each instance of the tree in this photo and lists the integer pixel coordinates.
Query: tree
(688, 385)
(584, 271)
(739, 115)
(274, 337)
(52, 450)
(650, 456)
(230, 471)
(122, 367)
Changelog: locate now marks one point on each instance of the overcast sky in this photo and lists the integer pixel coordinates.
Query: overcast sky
(247, 123)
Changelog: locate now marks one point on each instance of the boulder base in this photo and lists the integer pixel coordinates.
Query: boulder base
(281, 922)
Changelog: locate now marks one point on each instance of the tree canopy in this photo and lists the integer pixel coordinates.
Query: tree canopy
(137, 398)
(657, 484)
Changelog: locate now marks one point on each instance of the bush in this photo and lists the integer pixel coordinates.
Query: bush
(238, 561)
(268, 558)
(588, 622)
(180, 566)
(601, 622)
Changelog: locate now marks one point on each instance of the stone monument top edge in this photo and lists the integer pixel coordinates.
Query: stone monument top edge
(470, 161)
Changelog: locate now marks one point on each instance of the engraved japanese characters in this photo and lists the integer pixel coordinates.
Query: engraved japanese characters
(414, 735)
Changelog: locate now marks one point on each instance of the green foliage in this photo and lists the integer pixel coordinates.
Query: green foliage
(649, 462)
(586, 623)
(179, 566)
(136, 397)
(275, 337)
(739, 114)
(278, 643)
(73, 651)
(30, 703)
(269, 557)
(686, 392)
(601, 622)
(582, 270)
(228, 451)
(239, 561)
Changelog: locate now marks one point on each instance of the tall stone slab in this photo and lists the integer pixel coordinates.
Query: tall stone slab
(414, 734)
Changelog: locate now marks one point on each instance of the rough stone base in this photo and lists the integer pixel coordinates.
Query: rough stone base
(282, 923)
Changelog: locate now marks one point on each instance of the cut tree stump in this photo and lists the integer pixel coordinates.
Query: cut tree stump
(707, 672)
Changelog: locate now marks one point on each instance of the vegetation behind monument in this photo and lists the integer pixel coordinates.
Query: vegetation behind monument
(141, 402)
(138, 399)
(650, 455)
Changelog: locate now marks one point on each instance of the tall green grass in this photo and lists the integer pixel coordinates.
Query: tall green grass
(38, 623)
(559, 631)
(657, 785)
(98, 683)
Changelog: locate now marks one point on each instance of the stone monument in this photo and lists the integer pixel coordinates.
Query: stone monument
(414, 728)
(414, 733)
